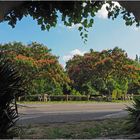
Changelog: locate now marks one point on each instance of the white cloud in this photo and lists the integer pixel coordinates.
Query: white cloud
(74, 26)
(72, 53)
(134, 28)
(103, 13)
(70, 27)
(67, 57)
(77, 51)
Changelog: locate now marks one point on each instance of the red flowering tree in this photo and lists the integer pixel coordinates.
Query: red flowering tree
(106, 71)
(40, 69)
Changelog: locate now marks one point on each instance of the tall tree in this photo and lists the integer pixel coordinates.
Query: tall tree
(105, 70)
(40, 69)
(137, 58)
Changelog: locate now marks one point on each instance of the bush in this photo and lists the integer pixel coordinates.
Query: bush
(58, 97)
(114, 94)
(75, 92)
(10, 89)
(31, 98)
(136, 97)
(77, 97)
(119, 94)
(134, 113)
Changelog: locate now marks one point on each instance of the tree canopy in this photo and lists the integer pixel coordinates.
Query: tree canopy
(103, 72)
(72, 12)
(109, 72)
(40, 69)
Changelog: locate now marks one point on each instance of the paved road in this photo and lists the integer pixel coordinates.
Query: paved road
(69, 112)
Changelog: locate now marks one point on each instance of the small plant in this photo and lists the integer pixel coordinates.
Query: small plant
(134, 113)
(10, 89)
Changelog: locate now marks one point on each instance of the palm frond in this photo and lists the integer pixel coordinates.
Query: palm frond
(10, 89)
(134, 115)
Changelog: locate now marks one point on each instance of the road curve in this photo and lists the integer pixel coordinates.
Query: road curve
(69, 112)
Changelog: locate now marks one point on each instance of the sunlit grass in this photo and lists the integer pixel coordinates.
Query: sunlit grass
(68, 102)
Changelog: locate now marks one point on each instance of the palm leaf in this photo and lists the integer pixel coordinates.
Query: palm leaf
(10, 88)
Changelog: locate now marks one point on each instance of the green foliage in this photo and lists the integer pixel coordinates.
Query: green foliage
(137, 58)
(134, 113)
(10, 88)
(103, 72)
(119, 94)
(114, 94)
(40, 69)
(89, 89)
(75, 92)
(72, 12)
(136, 97)
(111, 85)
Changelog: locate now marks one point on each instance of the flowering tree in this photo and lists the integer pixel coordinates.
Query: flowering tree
(106, 71)
(40, 69)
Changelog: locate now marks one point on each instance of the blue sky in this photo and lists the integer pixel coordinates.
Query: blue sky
(65, 42)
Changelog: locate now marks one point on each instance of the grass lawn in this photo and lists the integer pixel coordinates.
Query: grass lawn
(53, 102)
(78, 130)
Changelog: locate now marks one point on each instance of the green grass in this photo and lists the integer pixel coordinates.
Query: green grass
(121, 101)
(54, 102)
(79, 130)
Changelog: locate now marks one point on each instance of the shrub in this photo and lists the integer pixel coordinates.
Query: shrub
(10, 89)
(58, 97)
(31, 98)
(77, 97)
(114, 94)
(119, 94)
(75, 92)
(136, 97)
(134, 113)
